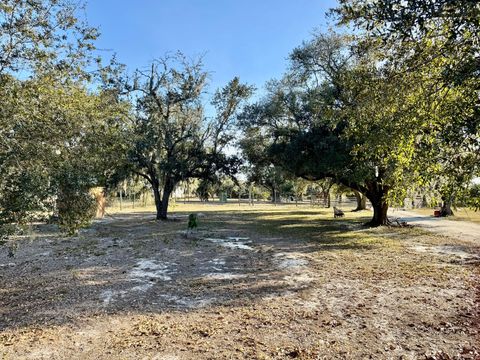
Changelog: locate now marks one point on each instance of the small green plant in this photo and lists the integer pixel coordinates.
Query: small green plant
(192, 222)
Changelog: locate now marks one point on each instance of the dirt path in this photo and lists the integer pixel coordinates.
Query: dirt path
(463, 230)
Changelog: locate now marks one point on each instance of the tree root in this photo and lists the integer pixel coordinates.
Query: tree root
(390, 223)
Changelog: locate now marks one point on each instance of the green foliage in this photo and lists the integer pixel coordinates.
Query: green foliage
(205, 189)
(6, 231)
(347, 112)
(473, 198)
(75, 205)
(172, 140)
(76, 209)
(24, 195)
(434, 44)
(422, 33)
(71, 128)
(44, 34)
(54, 123)
(192, 221)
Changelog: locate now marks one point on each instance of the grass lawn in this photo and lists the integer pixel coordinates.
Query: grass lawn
(261, 282)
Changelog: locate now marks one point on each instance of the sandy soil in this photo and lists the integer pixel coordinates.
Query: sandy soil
(264, 284)
(465, 230)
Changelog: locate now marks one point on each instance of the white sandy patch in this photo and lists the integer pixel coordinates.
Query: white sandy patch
(298, 278)
(232, 243)
(144, 271)
(224, 276)
(445, 250)
(187, 303)
(108, 296)
(150, 269)
(11, 264)
(217, 264)
(290, 261)
(142, 288)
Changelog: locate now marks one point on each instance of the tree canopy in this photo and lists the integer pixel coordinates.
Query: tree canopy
(58, 131)
(173, 140)
(343, 111)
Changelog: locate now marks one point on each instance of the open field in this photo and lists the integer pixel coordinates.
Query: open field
(262, 282)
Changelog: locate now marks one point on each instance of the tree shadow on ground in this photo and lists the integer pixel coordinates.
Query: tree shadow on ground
(133, 263)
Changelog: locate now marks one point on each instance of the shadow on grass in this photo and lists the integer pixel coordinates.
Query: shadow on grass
(297, 229)
(55, 280)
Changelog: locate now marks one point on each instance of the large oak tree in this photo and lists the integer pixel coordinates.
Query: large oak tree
(344, 112)
(173, 140)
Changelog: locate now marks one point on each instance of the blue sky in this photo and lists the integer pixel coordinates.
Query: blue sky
(250, 39)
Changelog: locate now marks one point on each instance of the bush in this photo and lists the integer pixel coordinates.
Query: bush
(474, 197)
(76, 209)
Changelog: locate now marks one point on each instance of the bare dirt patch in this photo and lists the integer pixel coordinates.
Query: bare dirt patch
(264, 283)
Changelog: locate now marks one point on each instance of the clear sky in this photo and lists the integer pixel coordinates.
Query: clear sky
(246, 38)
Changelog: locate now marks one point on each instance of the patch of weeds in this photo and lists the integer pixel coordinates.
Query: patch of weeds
(166, 240)
(424, 271)
(195, 241)
(76, 274)
(378, 241)
(137, 245)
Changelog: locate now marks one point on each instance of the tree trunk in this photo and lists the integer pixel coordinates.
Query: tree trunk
(424, 201)
(162, 213)
(446, 207)
(364, 202)
(361, 201)
(167, 191)
(380, 209)
(377, 195)
(158, 199)
(274, 196)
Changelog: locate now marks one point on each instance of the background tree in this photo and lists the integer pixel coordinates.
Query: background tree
(173, 141)
(361, 201)
(205, 190)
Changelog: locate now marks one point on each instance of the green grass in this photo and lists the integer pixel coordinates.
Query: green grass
(302, 224)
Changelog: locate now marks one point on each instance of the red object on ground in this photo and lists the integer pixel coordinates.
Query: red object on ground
(436, 213)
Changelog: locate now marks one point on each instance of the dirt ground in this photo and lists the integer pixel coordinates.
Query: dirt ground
(263, 282)
(465, 230)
